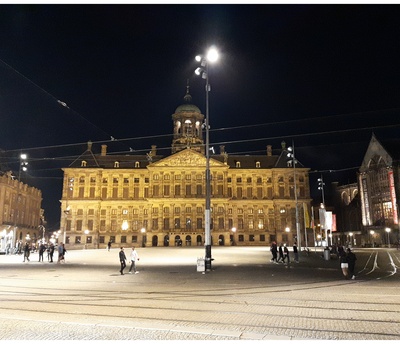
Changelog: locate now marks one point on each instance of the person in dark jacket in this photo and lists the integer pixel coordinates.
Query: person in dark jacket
(122, 259)
(351, 260)
(281, 258)
(274, 252)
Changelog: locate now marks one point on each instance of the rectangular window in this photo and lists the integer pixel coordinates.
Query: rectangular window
(199, 210)
(177, 223)
(220, 190)
(112, 238)
(166, 190)
(77, 240)
(146, 192)
(251, 237)
(136, 180)
(177, 190)
(123, 239)
(136, 192)
(230, 223)
(249, 193)
(156, 190)
(103, 225)
(188, 223)
(199, 223)
(91, 212)
(166, 223)
(90, 225)
(115, 193)
(166, 210)
(239, 192)
(80, 212)
(92, 192)
(199, 190)
(177, 210)
(134, 238)
(251, 224)
(229, 192)
(126, 180)
(79, 225)
(113, 225)
(113, 211)
(81, 192)
(125, 193)
(262, 237)
(188, 190)
(104, 193)
(101, 239)
(154, 210)
(281, 191)
(154, 224)
(221, 223)
(241, 237)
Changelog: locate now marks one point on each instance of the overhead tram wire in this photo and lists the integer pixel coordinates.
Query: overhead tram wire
(54, 98)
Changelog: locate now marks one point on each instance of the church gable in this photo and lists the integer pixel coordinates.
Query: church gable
(376, 154)
(186, 158)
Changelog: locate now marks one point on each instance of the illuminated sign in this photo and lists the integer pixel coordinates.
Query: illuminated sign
(393, 196)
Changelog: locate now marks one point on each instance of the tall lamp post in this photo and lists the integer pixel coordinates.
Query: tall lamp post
(294, 161)
(211, 56)
(22, 167)
(321, 187)
(387, 229)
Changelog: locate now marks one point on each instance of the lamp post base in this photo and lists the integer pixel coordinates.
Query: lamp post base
(208, 259)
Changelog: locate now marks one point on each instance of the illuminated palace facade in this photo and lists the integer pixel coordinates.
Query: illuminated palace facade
(154, 200)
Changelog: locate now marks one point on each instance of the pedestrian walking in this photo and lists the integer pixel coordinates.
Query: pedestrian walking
(42, 248)
(274, 252)
(133, 257)
(27, 251)
(122, 259)
(286, 254)
(351, 260)
(295, 252)
(344, 264)
(109, 245)
(281, 258)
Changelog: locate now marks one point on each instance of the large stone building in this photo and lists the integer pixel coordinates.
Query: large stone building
(379, 186)
(20, 212)
(155, 200)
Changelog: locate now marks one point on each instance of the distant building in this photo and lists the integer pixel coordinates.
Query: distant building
(20, 212)
(347, 209)
(379, 187)
(155, 200)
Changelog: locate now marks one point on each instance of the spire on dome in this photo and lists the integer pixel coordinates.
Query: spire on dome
(187, 98)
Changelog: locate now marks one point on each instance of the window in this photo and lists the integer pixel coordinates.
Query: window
(249, 179)
(134, 238)
(262, 237)
(90, 225)
(116, 164)
(166, 223)
(155, 224)
(103, 212)
(80, 212)
(251, 237)
(104, 193)
(238, 164)
(188, 223)
(240, 224)
(260, 224)
(229, 179)
(199, 190)
(79, 225)
(259, 180)
(92, 192)
(83, 163)
(221, 223)
(166, 190)
(115, 192)
(91, 212)
(188, 190)
(241, 237)
(77, 240)
(166, 177)
(125, 211)
(154, 210)
(125, 193)
(146, 180)
(81, 192)
(123, 239)
(105, 180)
(136, 180)
(199, 210)
(260, 211)
(166, 210)
(126, 180)
(177, 177)
(251, 224)
(156, 190)
(114, 212)
(188, 210)
(188, 177)
(177, 223)
(137, 164)
(177, 210)
(238, 180)
(177, 190)
(115, 180)
(199, 223)
(156, 177)
(81, 180)
(258, 164)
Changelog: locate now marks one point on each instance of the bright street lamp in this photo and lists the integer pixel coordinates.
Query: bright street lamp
(387, 229)
(210, 57)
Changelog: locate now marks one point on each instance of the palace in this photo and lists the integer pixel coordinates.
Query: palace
(154, 200)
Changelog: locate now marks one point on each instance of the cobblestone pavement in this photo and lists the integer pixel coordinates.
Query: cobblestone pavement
(245, 296)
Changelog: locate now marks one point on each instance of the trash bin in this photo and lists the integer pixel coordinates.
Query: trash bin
(201, 267)
(327, 253)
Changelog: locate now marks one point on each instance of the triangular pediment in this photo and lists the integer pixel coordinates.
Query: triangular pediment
(186, 158)
(375, 153)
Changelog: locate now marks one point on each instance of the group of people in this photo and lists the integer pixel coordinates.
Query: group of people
(45, 247)
(283, 251)
(134, 257)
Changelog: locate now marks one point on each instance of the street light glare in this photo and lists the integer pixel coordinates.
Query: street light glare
(23, 156)
(198, 58)
(212, 55)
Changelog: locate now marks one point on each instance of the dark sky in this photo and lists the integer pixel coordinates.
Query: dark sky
(322, 76)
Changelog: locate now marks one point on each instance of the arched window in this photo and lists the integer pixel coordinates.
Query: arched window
(116, 164)
(137, 164)
(83, 163)
(258, 164)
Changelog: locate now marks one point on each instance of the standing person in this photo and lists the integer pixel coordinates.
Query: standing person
(295, 252)
(51, 252)
(60, 252)
(109, 245)
(42, 248)
(27, 251)
(122, 259)
(351, 259)
(286, 254)
(281, 253)
(274, 251)
(134, 257)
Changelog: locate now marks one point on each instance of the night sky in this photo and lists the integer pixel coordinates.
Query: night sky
(324, 77)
